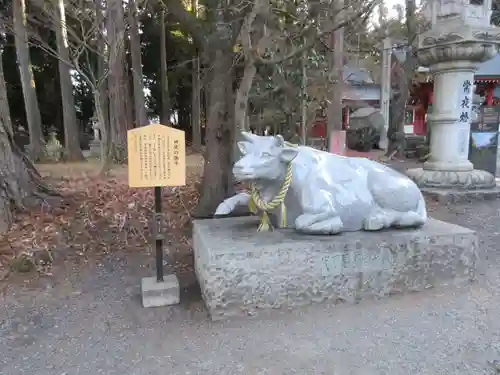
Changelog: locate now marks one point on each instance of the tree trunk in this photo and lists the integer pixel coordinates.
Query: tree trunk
(395, 133)
(196, 104)
(335, 106)
(215, 185)
(141, 117)
(71, 133)
(102, 88)
(116, 84)
(165, 96)
(37, 149)
(21, 186)
(241, 102)
(303, 99)
(100, 114)
(128, 97)
(4, 102)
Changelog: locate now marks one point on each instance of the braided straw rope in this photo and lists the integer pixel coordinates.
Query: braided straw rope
(257, 204)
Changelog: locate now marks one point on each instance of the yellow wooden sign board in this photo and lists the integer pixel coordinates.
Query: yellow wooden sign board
(156, 156)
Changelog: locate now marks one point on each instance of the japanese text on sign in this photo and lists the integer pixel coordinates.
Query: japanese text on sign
(465, 105)
(465, 101)
(156, 156)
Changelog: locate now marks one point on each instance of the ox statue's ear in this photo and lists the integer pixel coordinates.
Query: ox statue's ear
(279, 141)
(247, 136)
(289, 153)
(243, 147)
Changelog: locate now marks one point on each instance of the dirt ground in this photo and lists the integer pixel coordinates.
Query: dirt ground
(99, 216)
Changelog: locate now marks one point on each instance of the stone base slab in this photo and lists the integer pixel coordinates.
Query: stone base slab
(160, 293)
(461, 196)
(242, 272)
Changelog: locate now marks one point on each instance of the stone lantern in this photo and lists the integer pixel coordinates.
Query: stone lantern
(459, 39)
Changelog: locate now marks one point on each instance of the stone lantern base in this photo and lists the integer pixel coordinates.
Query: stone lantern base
(455, 186)
(474, 179)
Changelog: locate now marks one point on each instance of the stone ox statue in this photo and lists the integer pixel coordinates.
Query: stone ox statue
(326, 193)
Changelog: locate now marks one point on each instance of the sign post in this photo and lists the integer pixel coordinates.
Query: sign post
(157, 158)
(158, 227)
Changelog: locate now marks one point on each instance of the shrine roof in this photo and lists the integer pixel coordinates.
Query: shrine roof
(489, 69)
(356, 76)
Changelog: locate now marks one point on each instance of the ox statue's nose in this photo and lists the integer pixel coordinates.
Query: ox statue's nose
(242, 169)
(237, 166)
(241, 164)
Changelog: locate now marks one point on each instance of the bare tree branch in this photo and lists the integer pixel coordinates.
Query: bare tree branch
(312, 40)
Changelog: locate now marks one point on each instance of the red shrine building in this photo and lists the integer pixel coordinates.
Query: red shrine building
(487, 87)
(361, 91)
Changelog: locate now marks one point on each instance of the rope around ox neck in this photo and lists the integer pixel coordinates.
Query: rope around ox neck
(256, 203)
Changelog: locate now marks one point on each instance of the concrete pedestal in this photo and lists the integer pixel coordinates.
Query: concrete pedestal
(242, 272)
(160, 293)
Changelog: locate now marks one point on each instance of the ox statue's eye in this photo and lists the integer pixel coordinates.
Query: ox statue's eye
(266, 154)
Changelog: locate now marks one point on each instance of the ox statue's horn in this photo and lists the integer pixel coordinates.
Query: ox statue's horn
(279, 140)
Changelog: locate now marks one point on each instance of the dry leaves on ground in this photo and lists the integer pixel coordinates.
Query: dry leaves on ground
(99, 215)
